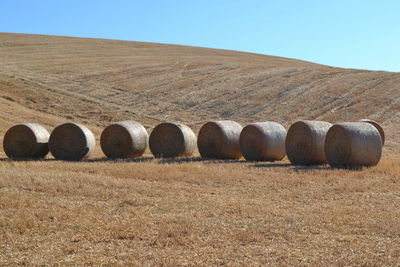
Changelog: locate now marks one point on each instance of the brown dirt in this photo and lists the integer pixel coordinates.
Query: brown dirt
(187, 211)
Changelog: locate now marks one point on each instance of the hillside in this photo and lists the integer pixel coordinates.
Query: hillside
(190, 211)
(55, 79)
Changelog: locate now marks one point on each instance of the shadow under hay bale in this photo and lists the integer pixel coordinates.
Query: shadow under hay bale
(263, 141)
(71, 141)
(220, 140)
(169, 140)
(378, 127)
(352, 144)
(119, 160)
(26, 141)
(125, 139)
(305, 142)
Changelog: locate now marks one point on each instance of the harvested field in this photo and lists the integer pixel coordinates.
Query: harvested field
(177, 212)
(185, 211)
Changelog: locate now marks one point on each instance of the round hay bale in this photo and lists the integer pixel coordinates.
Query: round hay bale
(71, 141)
(125, 139)
(27, 140)
(378, 127)
(350, 144)
(170, 140)
(263, 141)
(220, 140)
(305, 142)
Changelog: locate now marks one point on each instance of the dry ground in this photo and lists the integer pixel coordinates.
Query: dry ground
(189, 211)
(207, 213)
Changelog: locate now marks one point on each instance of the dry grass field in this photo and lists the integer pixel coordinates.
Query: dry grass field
(172, 212)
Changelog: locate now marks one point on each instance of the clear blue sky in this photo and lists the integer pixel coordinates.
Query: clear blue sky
(351, 34)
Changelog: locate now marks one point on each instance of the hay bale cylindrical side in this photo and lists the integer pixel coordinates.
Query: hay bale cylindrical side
(170, 140)
(71, 141)
(124, 139)
(220, 140)
(378, 127)
(263, 141)
(27, 140)
(350, 144)
(305, 142)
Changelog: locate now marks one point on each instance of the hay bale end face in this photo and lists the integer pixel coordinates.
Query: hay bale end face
(305, 142)
(378, 127)
(28, 140)
(125, 139)
(169, 140)
(351, 144)
(220, 140)
(263, 141)
(71, 141)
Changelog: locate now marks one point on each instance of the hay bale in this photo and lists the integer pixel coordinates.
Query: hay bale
(263, 141)
(305, 142)
(125, 139)
(71, 141)
(169, 140)
(27, 140)
(220, 140)
(378, 127)
(350, 144)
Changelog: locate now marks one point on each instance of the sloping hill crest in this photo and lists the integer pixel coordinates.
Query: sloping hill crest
(52, 79)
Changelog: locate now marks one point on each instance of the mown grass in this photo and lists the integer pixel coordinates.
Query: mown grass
(188, 212)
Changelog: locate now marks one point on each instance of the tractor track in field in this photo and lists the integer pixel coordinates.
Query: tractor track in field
(100, 81)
